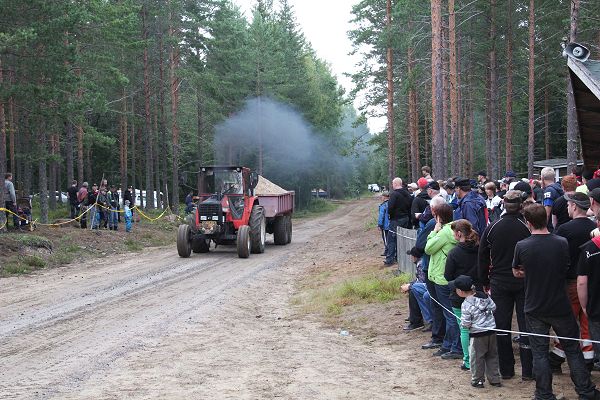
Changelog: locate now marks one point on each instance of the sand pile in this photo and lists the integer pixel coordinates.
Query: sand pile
(266, 187)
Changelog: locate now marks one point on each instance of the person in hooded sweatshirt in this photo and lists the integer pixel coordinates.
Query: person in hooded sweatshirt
(471, 206)
(477, 312)
(462, 260)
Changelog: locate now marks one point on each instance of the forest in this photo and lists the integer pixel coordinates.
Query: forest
(470, 84)
(144, 92)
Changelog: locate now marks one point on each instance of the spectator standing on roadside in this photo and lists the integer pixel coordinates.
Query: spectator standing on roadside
(439, 243)
(496, 250)
(419, 204)
(577, 232)
(399, 212)
(82, 199)
(492, 202)
(73, 202)
(426, 172)
(418, 298)
(543, 261)
(128, 216)
(560, 214)
(552, 191)
(383, 221)
(438, 322)
(471, 206)
(586, 175)
(112, 197)
(477, 316)
(462, 260)
(92, 198)
(10, 199)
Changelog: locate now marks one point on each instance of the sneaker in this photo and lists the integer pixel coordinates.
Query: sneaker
(431, 345)
(496, 384)
(411, 327)
(477, 384)
(464, 367)
(440, 352)
(452, 356)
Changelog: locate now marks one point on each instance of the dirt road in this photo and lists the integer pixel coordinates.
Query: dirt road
(154, 325)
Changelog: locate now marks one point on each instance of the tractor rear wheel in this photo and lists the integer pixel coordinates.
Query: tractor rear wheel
(279, 231)
(243, 241)
(200, 245)
(184, 245)
(289, 228)
(258, 229)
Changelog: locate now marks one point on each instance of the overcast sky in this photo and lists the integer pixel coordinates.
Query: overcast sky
(325, 24)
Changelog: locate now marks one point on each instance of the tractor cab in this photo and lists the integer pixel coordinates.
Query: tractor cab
(227, 188)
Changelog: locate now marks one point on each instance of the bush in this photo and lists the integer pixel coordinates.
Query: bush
(34, 261)
(132, 245)
(33, 241)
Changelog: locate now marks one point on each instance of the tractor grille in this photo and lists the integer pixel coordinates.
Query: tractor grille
(209, 209)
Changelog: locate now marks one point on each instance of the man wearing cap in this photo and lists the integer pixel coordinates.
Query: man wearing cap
(399, 212)
(481, 181)
(552, 191)
(471, 206)
(543, 261)
(577, 232)
(496, 249)
(560, 214)
(418, 297)
(525, 188)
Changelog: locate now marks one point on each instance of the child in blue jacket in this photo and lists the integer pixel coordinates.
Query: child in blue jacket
(383, 222)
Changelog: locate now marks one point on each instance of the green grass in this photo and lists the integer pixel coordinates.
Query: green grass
(363, 290)
(371, 222)
(315, 207)
(14, 268)
(34, 261)
(32, 241)
(133, 245)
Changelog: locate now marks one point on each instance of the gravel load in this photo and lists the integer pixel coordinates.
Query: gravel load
(265, 187)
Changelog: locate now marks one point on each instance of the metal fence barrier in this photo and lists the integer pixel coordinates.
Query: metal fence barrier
(406, 239)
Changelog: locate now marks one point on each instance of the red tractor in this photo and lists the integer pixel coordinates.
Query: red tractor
(229, 212)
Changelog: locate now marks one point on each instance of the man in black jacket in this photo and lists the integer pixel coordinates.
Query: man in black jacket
(73, 203)
(399, 211)
(496, 250)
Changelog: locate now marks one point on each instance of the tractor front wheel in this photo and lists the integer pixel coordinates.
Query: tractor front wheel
(184, 244)
(243, 241)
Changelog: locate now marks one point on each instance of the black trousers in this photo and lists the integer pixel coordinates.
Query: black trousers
(509, 297)
(438, 324)
(414, 311)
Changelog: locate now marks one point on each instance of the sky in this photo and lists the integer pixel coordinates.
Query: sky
(325, 24)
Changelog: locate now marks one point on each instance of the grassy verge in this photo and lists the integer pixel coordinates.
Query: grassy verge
(315, 208)
(332, 300)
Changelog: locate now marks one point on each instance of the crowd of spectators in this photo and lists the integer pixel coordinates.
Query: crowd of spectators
(486, 250)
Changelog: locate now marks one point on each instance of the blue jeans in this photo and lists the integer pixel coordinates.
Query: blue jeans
(113, 218)
(565, 326)
(452, 336)
(391, 256)
(438, 323)
(419, 289)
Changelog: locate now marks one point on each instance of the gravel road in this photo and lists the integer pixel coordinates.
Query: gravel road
(153, 325)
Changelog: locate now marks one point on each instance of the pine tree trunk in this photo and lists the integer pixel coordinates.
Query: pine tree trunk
(174, 61)
(147, 118)
(162, 121)
(494, 170)
(572, 124)
(123, 139)
(70, 136)
(488, 120)
(413, 118)
(11, 125)
(88, 165)
(547, 123)
(43, 177)
(199, 134)
(140, 166)
(52, 173)
(156, 152)
(531, 105)
(454, 132)
(27, 163)
(437, 133)
(445, 102)
(390, 96)
(133, 151)
(509, 89)
(2, 150)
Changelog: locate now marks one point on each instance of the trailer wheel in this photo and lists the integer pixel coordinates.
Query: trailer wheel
(200, 245)
(184, 245)
(243, 241)
(258, 229)
(279, 231)
(289, 228)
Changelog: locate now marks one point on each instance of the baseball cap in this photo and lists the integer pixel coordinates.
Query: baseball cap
(422, 182)
(579, 198)
(462, 182)
(482, 173)
(433, 185)
(462, 282)
(595, 194)
(593, 184)
(510, 174)
(523, 187)
(415, 252)
(413, 186)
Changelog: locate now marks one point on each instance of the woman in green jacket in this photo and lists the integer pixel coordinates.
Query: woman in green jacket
(439, 243)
